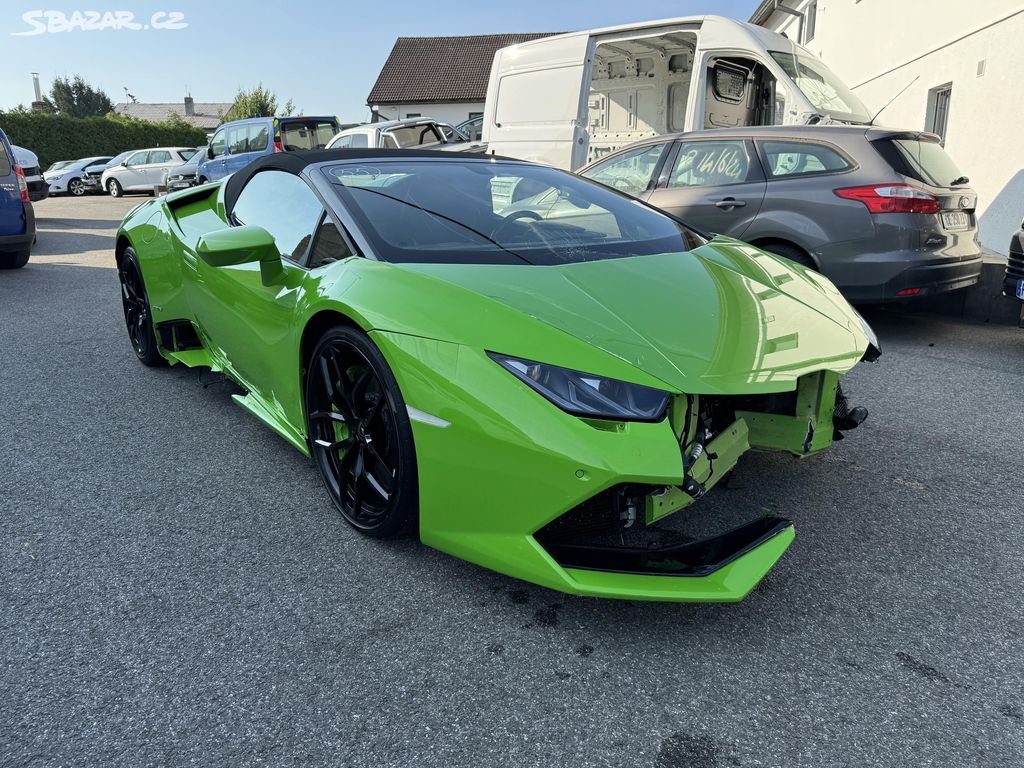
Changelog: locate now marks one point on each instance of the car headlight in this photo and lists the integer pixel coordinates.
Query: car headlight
(584, 394)
(868, 331)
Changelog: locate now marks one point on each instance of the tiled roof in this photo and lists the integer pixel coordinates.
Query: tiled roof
(208, 114)
(441, 69)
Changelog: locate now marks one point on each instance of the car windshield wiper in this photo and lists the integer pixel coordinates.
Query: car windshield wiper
(959, 180)
(457, 223)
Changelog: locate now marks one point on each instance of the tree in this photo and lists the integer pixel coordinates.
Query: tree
(258, 102)
(76, 98)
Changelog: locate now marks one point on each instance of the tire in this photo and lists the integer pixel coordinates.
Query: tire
(137, 316)
(114, 188)
(15, 259)
(369, 471)
(202, 180)
(76, 188)
(792, 253)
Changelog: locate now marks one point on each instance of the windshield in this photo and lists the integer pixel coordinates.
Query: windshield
(826, 92)
(474, 212)
(307, 134)
(58, 166)
(188, 154)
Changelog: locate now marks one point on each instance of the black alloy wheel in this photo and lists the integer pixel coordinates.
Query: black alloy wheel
(359, 434)
(137, 315)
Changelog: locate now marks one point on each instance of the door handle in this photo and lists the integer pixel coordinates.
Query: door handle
(730, 202)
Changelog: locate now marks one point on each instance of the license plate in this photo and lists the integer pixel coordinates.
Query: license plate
(956, 220)
(1020, 290)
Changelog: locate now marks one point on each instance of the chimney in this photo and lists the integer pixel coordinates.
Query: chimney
(190, 107)
(39, 105)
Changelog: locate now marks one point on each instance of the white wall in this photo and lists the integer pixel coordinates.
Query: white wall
(453, 114)
(879, 46)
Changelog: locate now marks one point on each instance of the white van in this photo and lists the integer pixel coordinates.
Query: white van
(569, 99)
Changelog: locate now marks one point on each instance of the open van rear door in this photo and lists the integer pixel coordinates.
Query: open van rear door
(535, 100)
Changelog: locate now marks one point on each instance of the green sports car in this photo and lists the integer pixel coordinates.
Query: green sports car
(531, 370)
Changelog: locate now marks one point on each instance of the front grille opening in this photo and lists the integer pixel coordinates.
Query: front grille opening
(599, 535)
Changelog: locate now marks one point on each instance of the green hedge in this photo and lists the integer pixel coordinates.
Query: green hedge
(55, 137)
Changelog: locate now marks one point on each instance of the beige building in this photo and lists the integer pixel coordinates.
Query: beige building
(960, 63)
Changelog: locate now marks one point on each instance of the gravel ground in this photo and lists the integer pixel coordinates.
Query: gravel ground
(175, 588)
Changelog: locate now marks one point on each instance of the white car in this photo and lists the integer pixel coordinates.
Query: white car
(29, 163)
(143, 171)
(391, 134)
(414, 133)
(67, 177)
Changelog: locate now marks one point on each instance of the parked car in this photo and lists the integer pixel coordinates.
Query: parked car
(412, 133)
(1013, 284)
(452, 133)
(69, 179)
(472, 129)
(183, 176)
(418, 132)
(143, 170)
(38, 189)
(17, 219)
(883, 214)
(93, 174)
(570, 99)
(238, 143)
(616, 358)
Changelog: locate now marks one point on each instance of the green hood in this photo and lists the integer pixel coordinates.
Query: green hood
(726, 314)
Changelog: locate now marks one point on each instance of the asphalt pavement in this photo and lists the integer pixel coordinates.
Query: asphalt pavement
(176, 589)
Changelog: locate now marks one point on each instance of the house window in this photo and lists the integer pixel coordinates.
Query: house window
(938, 110)
(810, 21)
(475, 115)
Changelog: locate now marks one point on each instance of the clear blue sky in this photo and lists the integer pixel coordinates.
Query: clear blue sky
(324, 55)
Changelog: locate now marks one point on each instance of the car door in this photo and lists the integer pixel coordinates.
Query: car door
(159, 161)
(132, 175)
(248, 322)
(634, 171)
(213, 167)
(238, 155)
(716, 184)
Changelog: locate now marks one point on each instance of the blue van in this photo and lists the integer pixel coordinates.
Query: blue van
(238, 143)
(17, 219)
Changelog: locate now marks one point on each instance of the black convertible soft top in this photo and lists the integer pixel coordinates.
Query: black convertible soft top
(295, 162)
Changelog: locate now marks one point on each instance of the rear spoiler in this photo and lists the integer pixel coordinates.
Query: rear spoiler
(874, 134)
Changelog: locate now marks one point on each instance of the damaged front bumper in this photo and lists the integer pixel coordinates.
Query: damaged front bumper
(581, 505)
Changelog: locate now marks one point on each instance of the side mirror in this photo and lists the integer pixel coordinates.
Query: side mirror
(242, 245)
(209, 153)
(124, 163)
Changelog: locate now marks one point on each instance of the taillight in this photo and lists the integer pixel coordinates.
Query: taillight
(278, 146)
(892, 198)
(22, 185)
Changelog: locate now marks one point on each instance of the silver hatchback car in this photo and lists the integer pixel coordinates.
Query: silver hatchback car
(884, 214)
